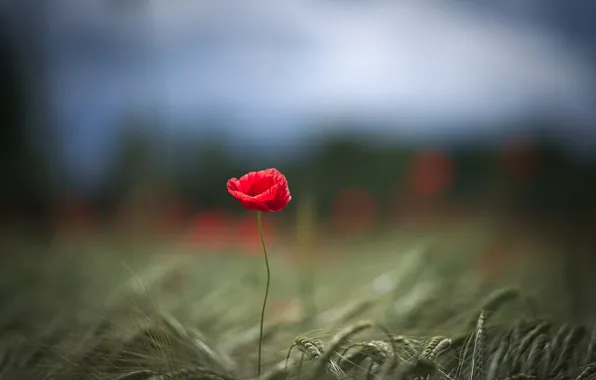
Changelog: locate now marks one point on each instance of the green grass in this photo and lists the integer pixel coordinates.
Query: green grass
(149, 312)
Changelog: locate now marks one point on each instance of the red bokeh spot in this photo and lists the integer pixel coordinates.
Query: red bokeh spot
(431, 173)
(211, 230)
(354, 212)
(174, 216)
(246, 234)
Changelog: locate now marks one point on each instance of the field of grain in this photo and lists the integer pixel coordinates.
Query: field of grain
(398, 306)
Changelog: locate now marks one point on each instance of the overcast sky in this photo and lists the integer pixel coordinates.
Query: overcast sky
(433, 67)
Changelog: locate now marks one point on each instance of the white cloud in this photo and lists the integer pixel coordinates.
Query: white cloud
(429, 63)
(422, 61)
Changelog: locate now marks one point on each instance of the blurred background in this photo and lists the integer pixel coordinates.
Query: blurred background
(124, 119)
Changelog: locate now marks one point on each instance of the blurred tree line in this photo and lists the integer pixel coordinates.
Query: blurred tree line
(26, 185)
(538, 178)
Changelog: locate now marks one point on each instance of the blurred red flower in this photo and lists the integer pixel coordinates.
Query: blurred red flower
(211, 230)
(354, 211)
(173, 216)
(266, 190)
(248, 238)
(432, 173)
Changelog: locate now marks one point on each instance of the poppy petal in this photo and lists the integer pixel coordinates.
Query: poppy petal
(266, 190)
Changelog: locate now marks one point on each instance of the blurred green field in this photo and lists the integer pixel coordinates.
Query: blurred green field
(149, 311)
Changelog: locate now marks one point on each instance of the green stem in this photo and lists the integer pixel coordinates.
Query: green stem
(266, 292)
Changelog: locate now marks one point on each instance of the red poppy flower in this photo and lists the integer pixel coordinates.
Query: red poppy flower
(266, 190)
